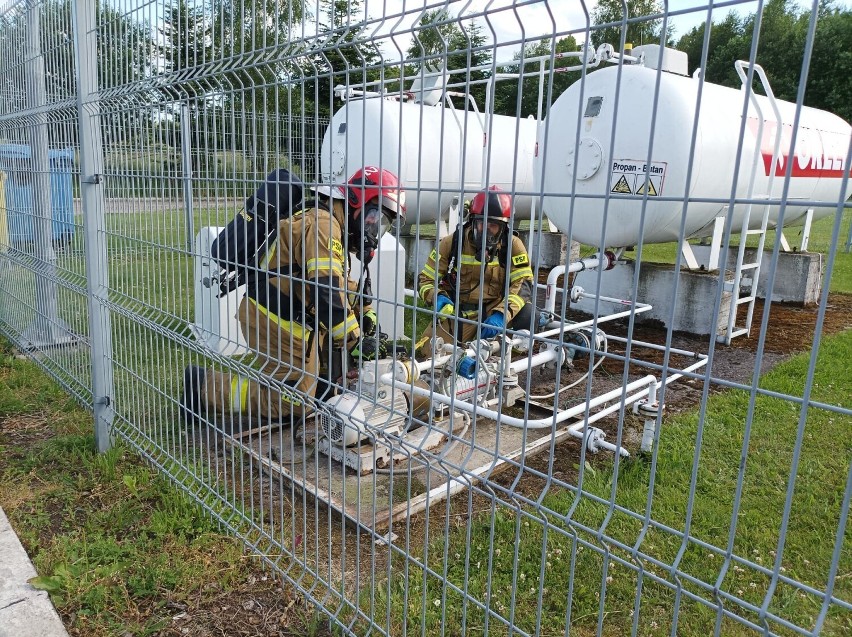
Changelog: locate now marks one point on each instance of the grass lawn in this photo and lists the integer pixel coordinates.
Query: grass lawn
(506, 561)
(118, 546)
(121, 551)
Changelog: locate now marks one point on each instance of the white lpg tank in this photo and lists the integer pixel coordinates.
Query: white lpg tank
(431, 149)
(822, 141)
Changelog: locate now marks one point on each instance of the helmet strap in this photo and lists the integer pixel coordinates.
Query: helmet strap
(352, 196)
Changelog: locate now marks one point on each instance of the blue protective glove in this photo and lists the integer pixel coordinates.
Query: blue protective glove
(444, 305)
(495, 324)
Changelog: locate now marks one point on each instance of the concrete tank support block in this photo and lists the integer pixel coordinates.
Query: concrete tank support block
(693, 307)
(798, 278)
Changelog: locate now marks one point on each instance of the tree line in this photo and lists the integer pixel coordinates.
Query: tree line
(276, 59)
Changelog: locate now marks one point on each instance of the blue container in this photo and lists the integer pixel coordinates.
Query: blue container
(16, 162)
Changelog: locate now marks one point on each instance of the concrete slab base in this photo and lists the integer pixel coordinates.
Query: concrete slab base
(377, 500)
(797, 281)
(798, 275)
(24, 611)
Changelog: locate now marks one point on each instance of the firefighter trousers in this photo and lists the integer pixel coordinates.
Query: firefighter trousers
(289, 366)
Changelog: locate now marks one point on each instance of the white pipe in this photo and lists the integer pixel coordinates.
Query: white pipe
(589, 263)
(572, 327)
(541, 423)
(687, 370)
(542, 358)
(701, 362)
(638, 308)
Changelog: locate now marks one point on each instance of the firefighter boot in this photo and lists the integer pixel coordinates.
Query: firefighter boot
(194, 378)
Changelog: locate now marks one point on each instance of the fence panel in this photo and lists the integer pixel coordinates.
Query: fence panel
(614, 401)
(42, 272)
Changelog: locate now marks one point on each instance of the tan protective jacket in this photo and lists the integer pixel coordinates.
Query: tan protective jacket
(433, 278)
(310, 261)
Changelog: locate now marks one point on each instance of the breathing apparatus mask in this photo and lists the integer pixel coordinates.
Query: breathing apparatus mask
(367, 229)
(486, 237)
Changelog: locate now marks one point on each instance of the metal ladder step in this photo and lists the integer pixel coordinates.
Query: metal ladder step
(728, 286)
(741, 331)
(745, 299)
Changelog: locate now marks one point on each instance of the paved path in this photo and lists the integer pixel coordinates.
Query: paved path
(159, 205)
(24, 611)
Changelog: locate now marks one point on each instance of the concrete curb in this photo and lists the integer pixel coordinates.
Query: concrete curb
(24, 611)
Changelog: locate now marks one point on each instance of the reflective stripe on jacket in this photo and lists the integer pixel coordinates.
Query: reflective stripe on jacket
(308, 280)
(432, 280)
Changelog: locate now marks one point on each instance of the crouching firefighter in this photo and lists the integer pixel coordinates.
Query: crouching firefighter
(491, 256)
(302, 299)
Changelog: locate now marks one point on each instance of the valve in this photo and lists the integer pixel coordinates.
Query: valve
(605, 52)
(650, 408)
(644, 407)
(563, 356)
(522, 345)
(593, 439)
(582, 341)
(577, 293)
(466, 367)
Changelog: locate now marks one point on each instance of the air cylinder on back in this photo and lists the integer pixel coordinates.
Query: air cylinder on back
(615, 147)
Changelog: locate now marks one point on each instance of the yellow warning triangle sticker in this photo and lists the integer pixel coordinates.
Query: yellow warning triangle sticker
(652, 192)
(622, 187)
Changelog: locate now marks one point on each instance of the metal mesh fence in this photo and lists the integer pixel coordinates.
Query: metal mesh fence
(594, 378)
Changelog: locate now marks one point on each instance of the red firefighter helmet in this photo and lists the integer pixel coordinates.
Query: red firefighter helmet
(492, 203)
(365, 185)
(375, 199)
(489, 216)
(371, 183)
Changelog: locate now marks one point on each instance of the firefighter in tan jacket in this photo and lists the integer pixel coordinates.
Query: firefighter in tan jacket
(303, 298)
(455, 284)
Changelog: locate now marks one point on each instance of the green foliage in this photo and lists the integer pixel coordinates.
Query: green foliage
(506, 97)
(223, 114)
(346, 54)
(24, 389)
(831, 64)
(124, 52)
(119, 547)
(186, 43)
(781, 33)
(725, 46)
(442, 40)
(105, 532)
(646, 30)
